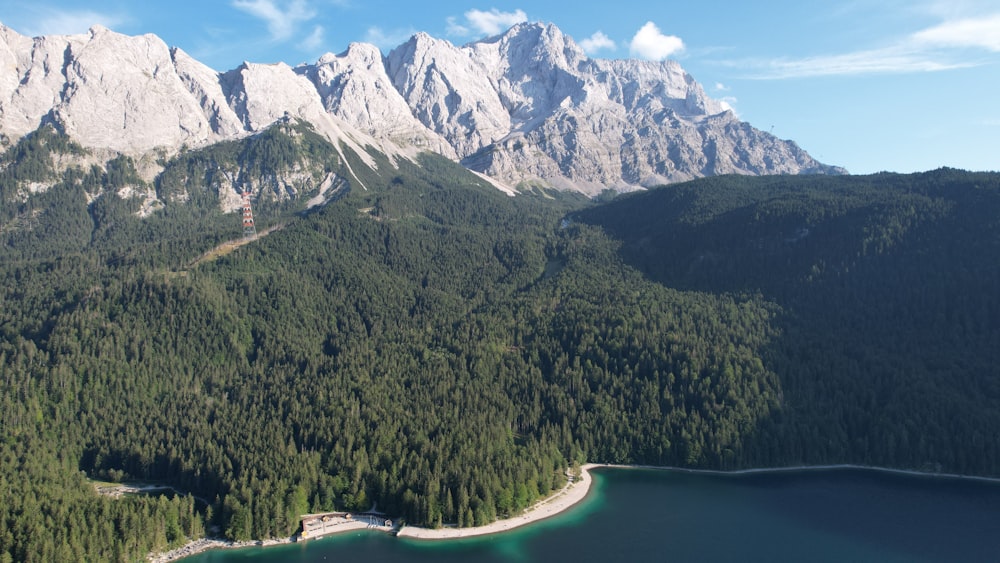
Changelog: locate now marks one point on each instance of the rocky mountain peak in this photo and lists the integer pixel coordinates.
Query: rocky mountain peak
(363, 53)
(104, 89)
(355, 87)
(98, 29)
(540, 42)
(524, 107)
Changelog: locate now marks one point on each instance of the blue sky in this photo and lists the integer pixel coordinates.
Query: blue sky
(871, 85)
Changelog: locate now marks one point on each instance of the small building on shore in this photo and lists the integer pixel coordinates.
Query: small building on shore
(316, 525)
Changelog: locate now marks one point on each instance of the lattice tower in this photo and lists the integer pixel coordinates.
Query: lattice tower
(249, 230)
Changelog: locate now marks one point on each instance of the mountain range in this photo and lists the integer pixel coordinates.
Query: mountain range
(409, 337)
(524, 108)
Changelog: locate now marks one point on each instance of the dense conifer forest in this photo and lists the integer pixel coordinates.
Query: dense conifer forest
(444, 352)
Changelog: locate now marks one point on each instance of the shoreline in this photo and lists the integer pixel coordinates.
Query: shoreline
(564, 499)
(570, 495)
(792, 468)
(195, 547)
(573, 494)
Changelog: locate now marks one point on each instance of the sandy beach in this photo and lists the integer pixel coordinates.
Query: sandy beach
(562, 500)
(568, 496)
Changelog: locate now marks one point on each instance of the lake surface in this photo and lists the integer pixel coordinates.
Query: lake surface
(831, 515)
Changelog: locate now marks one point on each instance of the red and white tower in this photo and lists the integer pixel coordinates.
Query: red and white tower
(249, 230)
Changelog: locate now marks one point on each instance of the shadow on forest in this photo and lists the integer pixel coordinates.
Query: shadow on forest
(889, 296)
(121, 467)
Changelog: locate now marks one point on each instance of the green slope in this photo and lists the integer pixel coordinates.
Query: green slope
(446, 351)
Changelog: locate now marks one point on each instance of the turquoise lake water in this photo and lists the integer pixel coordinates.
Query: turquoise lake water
(834, 515)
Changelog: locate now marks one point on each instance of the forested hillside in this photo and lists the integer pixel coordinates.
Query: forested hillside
(888, 287)
(433, 347)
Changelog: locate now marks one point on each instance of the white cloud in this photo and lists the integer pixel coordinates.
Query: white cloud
(281, 22)
(479, 22)
(455, 28)
(649, 43)
(727, 102)
(972, 32)
(950, 9)
(945, 46)
(387, 40)
(69, 22)
(314, 41)
(596, 42)
(890, 60)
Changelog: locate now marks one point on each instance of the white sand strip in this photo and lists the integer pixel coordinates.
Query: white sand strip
(568, 496)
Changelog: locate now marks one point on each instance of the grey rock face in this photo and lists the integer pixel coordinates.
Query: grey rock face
(104, 89)
(354, 86)
(529, 106)
(524, 107)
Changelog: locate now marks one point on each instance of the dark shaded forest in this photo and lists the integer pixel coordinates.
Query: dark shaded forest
(888, 288)
(444, 352)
